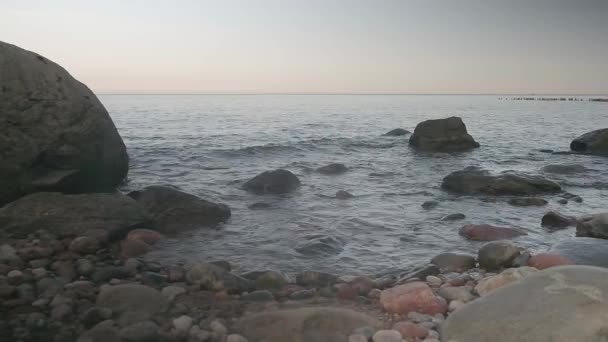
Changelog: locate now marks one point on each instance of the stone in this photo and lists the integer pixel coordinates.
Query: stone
(545, 260)
(102, 332)
(133, 248)
(363, 285)
(346, 292)
(218, 328)
(140, 332)
(212, 277)
(454, 262)
(61, 312)
(583, 251)
(95, 315)
(84, 267)
(54, 133)
(564, 169)
(455, 305)
(486, 232)
(473, 180)
(258, 296)
(332, 169)
(273, 182)
(8, 254)
(171, 292)
(448, 134)
(497, 254)
(454, 217)
(271, 280)
(593, 226)
(15, 277)
(558, 304)
(320, 245)
(397, 132)
(594, 142)
(173, 211)
(528, 202)
(134, 303)
(461, 293)
(320, 324)
(259, 205)
(182, 325)
(85, 245)
(302, 295)
(71, 215)
(430, 205)
(235, 338)
(146, 235)
(555, 220)
(387, 336)
(63, 269)
(343, 195)
(316, 279)
(106, 273)
(433, 281)
(506, 277)
(365, 331)
(415, 296)
(411, 331)
(198, 335)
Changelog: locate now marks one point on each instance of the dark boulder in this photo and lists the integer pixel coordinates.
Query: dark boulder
(454, 262)
(473, 180)
(442, 135)
(583, 251)
(593, 226)
(273, 182)
(498, 254)
(332, 169)
(109, 215)
(55, 135)
(595, 142)
(486, 232)
(528, 202)
(397, 132)
(565, 169)
(173, 211)
(454, 217)
(555, 220)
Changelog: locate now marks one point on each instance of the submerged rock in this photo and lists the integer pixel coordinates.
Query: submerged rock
(429, 205)
(528, 202)
(486, 232)
(555, 220)
(593, 226)
(453, 262)
(454, 217)
(473, 180)
(595, 142)
(320, 244)
(55, 135)
(273, 182)
(397, 132)
(565, 169)
(442, 135)
(343, 195)
(173, 211)
(559, 304)
(259, 205)
(70, 215)
(332, 169)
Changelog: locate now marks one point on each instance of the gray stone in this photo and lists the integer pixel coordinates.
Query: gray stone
(171, 292)
(461, 293)
(84, 267)
(555, 220)
(182, 325)
(583, 251)
(497, 254)
(320, 245)
(454, 262)
(454, 217)
(146, 331)
(134, 303)
(387, 336)
(565, 169)
(55, 135)
(274, 182)
(258, 296)
(102, 332)
(560, 304)
(528, 202)
(95, 315)
(212, 277)
(397, 132)
(332, 169)
(442, 135)
(595, 142)
(593, 226)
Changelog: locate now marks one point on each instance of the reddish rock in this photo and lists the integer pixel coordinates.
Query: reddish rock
(546, 260)
(346, 292)
(133, 248)
(146, 235)
(363, 285)
(486, 232)
(416, 296)
(411, 331)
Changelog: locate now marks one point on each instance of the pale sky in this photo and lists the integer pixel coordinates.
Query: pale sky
(319, 46)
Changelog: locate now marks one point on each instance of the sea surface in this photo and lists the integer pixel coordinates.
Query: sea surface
(209, 145)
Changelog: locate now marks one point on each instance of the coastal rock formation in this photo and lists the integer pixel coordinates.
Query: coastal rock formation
(593, 226)
(273, 182)
(486, 232)
(442, 135)
(555, 220)
(594, 142)
(397, 132)
(110, 215)
(55, 135)
(474, 180)
(173, 211)
(559, 304)
(583, 251)
(332, 169)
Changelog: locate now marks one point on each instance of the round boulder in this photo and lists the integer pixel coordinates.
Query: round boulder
(555, 220)
(595, 142)
(583, 251)
(273, 182)
(442, 135)
(55, 135)
(497, 254)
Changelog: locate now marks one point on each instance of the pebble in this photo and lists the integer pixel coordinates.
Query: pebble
(132, 265)
(15, 277)
(198, 335)
(182, 325)
(218, 328)
(84, 267)
(61, 312)
(433, 281)
(455, 305)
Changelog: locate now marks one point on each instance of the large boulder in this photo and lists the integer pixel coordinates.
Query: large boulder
(593, 226)
(173, 211)
(321, 324)
(594, 142)
(474, 180)
(560, 304)
(273, 182)
(112, 215)
(55, 135)
(442, 135)
(583, 251)
(132, 303)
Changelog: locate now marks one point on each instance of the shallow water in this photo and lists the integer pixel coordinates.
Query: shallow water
(209, 145)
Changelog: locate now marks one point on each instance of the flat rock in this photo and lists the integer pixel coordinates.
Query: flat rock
(528, 202)
(278, 181)
(564, 169)
(583, 251)
(173, 211)
(442, 135)
(594, 142)
(560, 304)
(55, 135)
(486, 232)
(473, 180)
(319, 324)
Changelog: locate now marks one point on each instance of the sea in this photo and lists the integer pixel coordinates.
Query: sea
(209, 145)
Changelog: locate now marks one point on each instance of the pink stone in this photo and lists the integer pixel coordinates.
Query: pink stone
(133, 248)
(546, 260)
(146, 235)
(486, 232)
(411, 331)
(416, 296)
(346, 292)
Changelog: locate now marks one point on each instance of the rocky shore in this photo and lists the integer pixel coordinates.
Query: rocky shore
(71, 246)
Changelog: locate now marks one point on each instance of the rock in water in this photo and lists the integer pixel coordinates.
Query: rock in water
(473, 180)
(332, 169)
(72, 215)
(55, 135)
(442, 135)
(595, 142)
(453, 262)
(497, 254)
(555, 220)
(559, 304)
(528, 202)
(397, 132)
(583, 251)
(565, 169)
(273, 182)
(173, 211)
(320, 245)
(593, 226)
(486, 232)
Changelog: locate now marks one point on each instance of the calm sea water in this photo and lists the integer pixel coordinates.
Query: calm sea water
(209, 145)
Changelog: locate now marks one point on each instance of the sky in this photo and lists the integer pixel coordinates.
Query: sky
(320, 46)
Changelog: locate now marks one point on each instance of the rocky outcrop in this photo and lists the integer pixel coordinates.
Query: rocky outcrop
(332, 169)
(595, 142)
(559, 304)
(397, 132)
(173, 211)
(55, 135)
(583, 251)
(108, 215)
(273, 182)
(486, 232)
(442, 135)
(473, 180)
(593, 226)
